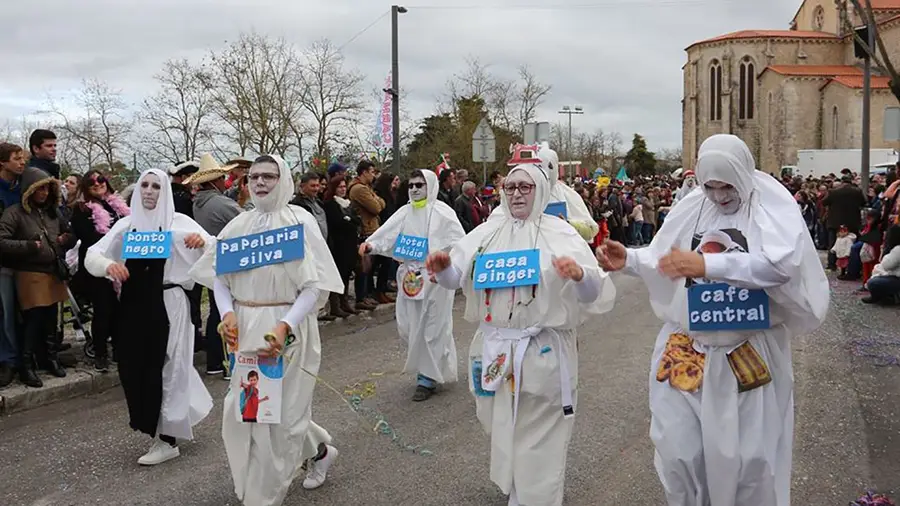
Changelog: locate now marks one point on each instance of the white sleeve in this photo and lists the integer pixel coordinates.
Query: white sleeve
(305, 302)
(745, 270)
(640, 263)
(588, 289)
(449, 278)
(224, 302)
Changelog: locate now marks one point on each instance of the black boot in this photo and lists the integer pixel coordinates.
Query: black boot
(53, 366)
(6, 375)
(29, 377)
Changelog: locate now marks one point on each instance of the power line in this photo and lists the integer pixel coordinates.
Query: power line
(364, 30)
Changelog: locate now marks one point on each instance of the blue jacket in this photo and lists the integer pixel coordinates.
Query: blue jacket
(10, 194)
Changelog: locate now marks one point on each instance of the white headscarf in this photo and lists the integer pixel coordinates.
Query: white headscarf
(768, 218)
(144, 220)
(554, 304)
(281, 196)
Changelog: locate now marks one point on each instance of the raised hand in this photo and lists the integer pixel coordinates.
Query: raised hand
(611, 255)
(567, 268)
(437, 262)
(682, 264)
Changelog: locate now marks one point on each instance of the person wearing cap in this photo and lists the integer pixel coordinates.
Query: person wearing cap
(689, 184)
(212, 211)
(181, 193)
(237, 168)
(336, 169)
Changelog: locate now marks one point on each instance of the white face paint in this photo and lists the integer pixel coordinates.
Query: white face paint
(521, 199)
(150, 189)
(263, 178)
(723, 195)
(418, 189)
(690, 182)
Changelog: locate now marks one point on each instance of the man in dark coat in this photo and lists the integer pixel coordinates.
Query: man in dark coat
(845, 205)
(42, 145)
(181, 193)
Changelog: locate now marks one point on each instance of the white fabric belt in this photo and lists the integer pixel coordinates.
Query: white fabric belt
(514, 342)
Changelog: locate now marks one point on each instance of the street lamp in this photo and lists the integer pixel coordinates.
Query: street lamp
(396, 10)
(569, 112)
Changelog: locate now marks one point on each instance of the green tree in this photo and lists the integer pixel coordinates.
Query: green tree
(638, 160)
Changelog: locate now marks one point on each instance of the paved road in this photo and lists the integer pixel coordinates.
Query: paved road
(848, 434)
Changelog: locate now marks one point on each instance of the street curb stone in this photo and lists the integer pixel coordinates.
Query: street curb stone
(82, 381)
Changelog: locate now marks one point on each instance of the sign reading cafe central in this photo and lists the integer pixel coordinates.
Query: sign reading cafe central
(258, 250)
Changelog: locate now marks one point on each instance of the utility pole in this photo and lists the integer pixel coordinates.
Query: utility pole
(570, 111)
(396, 10)
(867, 107)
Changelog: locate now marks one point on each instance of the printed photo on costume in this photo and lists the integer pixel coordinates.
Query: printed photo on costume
(726, 240)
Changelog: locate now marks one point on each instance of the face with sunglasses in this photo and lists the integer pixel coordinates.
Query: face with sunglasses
(418, 189)
(98, 186)
(519, 190)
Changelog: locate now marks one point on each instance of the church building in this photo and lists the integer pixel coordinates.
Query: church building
(787, 90)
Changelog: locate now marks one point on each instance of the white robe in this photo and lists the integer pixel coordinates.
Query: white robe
(185, 399)
(265, 457)
(717, 446)
(426, 323)
(528, 454)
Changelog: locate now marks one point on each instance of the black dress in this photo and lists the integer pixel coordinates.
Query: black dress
(343, 237)
(144, 326)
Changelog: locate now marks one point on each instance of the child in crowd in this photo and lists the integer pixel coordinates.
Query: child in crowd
(842, 247)
(870, 236)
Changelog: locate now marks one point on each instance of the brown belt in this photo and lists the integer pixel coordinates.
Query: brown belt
(247, 303)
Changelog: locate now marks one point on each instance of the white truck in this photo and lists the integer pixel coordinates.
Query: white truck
(821, 162)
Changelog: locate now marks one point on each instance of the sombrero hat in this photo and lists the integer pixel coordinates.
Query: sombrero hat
(209, 171)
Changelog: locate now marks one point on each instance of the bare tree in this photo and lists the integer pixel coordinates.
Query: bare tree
(177, 121)
(98, 131)
(330, 93)
(530, 95)
(19, 131)
(254, 77)
(881, 58)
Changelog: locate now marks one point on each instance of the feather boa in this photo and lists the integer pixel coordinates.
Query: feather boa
(102, 220)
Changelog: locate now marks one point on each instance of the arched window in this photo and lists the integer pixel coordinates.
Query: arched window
(747, 89)
(819, 19)
(715, 91)
(835, 126)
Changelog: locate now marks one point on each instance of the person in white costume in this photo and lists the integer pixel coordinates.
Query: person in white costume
(523, 360)
(578, 214)
(721, 396)
(164, 392)
(424, 308)
(687, 186)
(281, 299)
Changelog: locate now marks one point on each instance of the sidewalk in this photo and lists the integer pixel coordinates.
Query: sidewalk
(83, 380)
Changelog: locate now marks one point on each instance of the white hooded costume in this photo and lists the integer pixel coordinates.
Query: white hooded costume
(264, 457)
(579, 216)
(185, 399)
(425, 313)
(530, 329)
(717, 445)
(689, 185)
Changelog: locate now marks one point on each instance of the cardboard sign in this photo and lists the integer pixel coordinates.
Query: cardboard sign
(258, 389)
(720, 306)
(147, 245)
(410, 247)
(507, 269)
(557, 209)
(258, 250)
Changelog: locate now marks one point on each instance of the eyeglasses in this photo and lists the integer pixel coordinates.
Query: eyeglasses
(417, 185)
(265, 176)
(524, 189)
(98, 180)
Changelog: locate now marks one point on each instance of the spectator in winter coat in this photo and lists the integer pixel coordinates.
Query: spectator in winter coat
(42, 144)
(368, 206)
(34, 241)
(465, 207)
(308, 198)
(845, 205)
(12, 164)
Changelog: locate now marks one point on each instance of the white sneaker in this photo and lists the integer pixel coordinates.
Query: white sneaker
(316, 470)
(159, 452)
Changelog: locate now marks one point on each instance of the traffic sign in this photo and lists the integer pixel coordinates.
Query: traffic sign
(535, 133)
(484, 143)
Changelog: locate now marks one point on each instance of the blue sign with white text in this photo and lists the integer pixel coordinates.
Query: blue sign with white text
(507, 269)
(557, 209)
(147, 245)
(720, 306)
(258, 250)
(410, 247)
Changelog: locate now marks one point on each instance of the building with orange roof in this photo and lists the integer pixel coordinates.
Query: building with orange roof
(786, 90)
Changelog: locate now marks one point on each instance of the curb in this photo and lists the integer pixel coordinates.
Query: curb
(82, 381)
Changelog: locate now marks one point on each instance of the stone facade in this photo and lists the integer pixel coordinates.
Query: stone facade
(779, 89)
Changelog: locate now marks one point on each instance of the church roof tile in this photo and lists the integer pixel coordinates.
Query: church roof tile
(769, 34)
(856, 82)
(815, 70)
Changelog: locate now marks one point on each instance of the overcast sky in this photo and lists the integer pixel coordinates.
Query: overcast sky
(619, 59)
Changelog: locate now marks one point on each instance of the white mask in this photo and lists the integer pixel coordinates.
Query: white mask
(150, 189)
(727, 199)
(417, 193)
(263, 179)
